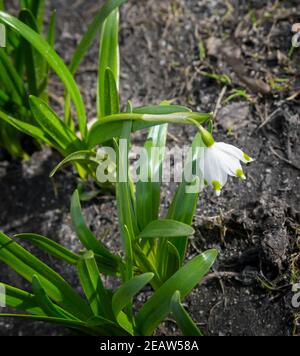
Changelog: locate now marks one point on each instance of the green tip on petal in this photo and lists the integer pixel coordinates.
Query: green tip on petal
(247, 158)
(217, 187)
(239, 173)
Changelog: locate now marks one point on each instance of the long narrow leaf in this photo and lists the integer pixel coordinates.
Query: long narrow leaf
(48, 307)
(154, 311)
(184, 321)
(51, 247)
(108, 81)
(128, 290)
(27, 265)
(184, 205)
(85, 235)
(148, 190)
(21, 300)
(165, 228)
(53, 126)
(28, 129)
(92, 32)
(79, 157)
(54, 61)
(93, 287)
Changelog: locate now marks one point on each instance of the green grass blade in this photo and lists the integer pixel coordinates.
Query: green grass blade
(79, 157)
(85, 235)
(92, 32)
(10, 78)
(123, 296)
(184, 321)
(28, 129)
(53, 125)
(38, 10)
(168, 260)
(110, 102)
(27, 265)
(161, 109)
(92, 285)
(48, 307)
(56, 63)
(32, 59)
(156, 309)
(165, 229)
(183, 206)
(148, 191)
(21, 300)
(75, 324)
(108, 82)
(51, 247)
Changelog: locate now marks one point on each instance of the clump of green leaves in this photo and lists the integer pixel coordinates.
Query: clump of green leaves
(154, 247)
(102, 311)
(23, 71)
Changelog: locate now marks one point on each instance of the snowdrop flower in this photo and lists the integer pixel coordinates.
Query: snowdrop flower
(221, 160)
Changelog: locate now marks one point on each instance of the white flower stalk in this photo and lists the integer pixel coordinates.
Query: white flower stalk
(221, 160)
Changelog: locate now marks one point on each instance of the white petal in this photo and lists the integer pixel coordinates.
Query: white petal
(233, 151)
(230, 164)
(213, 171)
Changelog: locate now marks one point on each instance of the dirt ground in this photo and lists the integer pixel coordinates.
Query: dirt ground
(167, 49)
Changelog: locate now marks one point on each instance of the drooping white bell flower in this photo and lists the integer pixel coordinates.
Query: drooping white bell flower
(221, 160)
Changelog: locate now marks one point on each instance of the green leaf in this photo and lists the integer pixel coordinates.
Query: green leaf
(93, 287)
(48, 307)
(28, 129)
(184, 321)
(129, 263)
(56, 63)
(148, 190)
(110, 102)
(108, 82)
(92, 32)
(32, 59)
(53, 126)
(156, 309)
(38, 10)
(184, 204)
(168, 260)
(21, 300)
(51, 29)
(75, 324)
(53, 248)
(125, 199)
(165, 228)
(79, 157)
(123, 296)
(11, 141)
(86, 236)
(27, 265)
(161, 109)
(11, 79)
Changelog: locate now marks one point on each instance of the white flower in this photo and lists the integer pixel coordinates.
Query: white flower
(221, 160)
